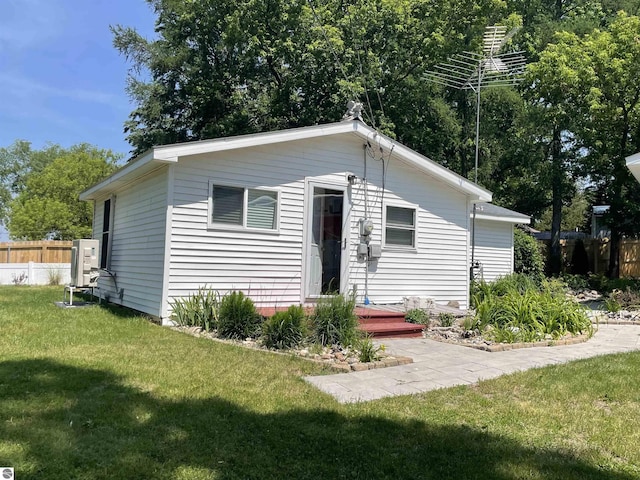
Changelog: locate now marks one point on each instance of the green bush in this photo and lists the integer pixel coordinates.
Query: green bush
(285, 329)
(576, 282)
(335, 322)
(197, 310)
(606, 285)
(446, 319)
(238, 317)
(517, 315)
(580, 264)
(417, 315)
(527, 258)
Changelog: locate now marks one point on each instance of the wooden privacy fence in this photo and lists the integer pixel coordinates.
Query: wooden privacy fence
(43, 251)
(598, 255)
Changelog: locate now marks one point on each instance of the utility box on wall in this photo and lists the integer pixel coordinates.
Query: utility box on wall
(84, 263)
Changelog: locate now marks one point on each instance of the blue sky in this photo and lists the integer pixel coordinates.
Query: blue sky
(61, 79)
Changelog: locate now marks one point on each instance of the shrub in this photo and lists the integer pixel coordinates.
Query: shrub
(530, 315)
(368, 351)
(197, 310)
(576, 282)
(285, 329)
(446, 319)
(579, 259)
(417, 315)
(335, 322)
(238, 317)
(526, 255)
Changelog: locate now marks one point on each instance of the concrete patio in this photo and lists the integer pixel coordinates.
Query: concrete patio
(439, 365)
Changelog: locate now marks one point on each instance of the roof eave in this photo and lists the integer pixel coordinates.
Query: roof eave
(171, 153)
(141, 165)
(425, 164)
(495, 218)
(633, 164)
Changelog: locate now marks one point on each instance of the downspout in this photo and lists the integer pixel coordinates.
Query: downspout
(473, 243)
(366, 216)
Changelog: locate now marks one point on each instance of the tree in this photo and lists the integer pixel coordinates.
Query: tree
(595, 77)
(575, 216)
(17, 162)
(48, 207)
(220, 67)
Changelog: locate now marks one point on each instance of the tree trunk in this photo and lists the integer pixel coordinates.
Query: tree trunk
(557, 182)
(616, 201)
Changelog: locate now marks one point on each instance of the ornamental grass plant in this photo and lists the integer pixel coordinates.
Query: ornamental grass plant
(335, 322)
(285, 330)
(238, 317)
(519, 309)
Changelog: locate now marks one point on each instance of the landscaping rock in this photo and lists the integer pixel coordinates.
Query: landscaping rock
(341, 359)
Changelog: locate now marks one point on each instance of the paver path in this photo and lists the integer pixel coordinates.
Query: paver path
(437, 365)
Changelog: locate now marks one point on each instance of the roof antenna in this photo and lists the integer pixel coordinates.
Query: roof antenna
(354, 111)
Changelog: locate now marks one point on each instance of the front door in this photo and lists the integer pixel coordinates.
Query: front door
(327, 241)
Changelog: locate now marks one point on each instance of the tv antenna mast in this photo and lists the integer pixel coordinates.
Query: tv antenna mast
(475, 71)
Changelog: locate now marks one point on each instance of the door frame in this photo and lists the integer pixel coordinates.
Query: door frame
(310, 185)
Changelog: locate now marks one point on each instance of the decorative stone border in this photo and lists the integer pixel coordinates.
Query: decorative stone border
(503, 347)
(344, 367)
(340, 365)
(614, 321)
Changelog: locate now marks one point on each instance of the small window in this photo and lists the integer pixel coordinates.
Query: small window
(400, 227)
(244, 207)
(107, 219)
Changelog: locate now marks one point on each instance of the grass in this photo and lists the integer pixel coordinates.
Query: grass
(100, 393)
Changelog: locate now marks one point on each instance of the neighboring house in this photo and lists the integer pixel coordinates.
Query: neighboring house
(280, 216)
(633, 164)
(494, 240)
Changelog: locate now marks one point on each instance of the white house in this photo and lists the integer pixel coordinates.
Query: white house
(287, 217)
(633, 164)
(492, 244)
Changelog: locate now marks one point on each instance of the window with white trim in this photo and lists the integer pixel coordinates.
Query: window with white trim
(400, 226)
(107, 227)
(243, 207)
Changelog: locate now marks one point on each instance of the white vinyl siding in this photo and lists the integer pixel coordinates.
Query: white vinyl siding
(494, 248)
(438, 265)
(137, 244)
(269, 265)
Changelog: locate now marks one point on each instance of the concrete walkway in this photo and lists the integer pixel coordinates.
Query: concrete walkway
(438, 365)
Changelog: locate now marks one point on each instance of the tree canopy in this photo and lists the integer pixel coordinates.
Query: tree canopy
(220, 67)
(47, 204)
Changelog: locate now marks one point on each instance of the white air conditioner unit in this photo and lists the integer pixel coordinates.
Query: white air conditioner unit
(84, 263)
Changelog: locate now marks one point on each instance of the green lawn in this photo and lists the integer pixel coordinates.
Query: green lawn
(102, 394)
